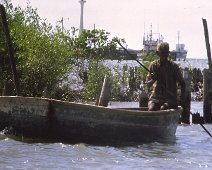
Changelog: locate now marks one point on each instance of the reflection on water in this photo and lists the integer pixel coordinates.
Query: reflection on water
(159, 150)
(192, 149)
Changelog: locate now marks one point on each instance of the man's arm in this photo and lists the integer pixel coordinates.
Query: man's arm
(151, 77)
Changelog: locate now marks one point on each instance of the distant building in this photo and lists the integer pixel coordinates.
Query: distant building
(179, 53)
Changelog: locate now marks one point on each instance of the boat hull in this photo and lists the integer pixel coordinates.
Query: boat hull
(74, 122)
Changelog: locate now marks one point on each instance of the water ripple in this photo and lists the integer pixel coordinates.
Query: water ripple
(191, 150)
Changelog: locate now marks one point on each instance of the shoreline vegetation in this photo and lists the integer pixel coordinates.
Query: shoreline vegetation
(57, 63)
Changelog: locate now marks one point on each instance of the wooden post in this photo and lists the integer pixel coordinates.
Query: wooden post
(10, 49)
(105, 92)
(207, 80)
(143, 98)
(187, 75)
(207, 95)
(207, 42)
(8, 88)
(132, 81)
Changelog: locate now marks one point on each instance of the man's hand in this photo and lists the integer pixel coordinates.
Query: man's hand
(154, 76)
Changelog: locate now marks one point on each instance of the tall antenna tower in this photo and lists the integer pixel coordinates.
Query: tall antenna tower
(81, 16)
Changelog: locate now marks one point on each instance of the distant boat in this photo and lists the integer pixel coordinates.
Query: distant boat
(179, 53)
(151, 41)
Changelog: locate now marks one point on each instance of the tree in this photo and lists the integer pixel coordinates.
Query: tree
(94, 46)
(46, 55)
(43, 54)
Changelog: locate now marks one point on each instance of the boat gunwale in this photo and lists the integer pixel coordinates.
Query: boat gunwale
(128, 110)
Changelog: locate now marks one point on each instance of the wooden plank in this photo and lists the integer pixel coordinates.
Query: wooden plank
(105, 92)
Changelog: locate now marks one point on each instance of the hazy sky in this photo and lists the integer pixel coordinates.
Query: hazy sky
(129, 19)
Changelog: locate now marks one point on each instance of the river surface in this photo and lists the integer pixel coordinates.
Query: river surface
(191, 150)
